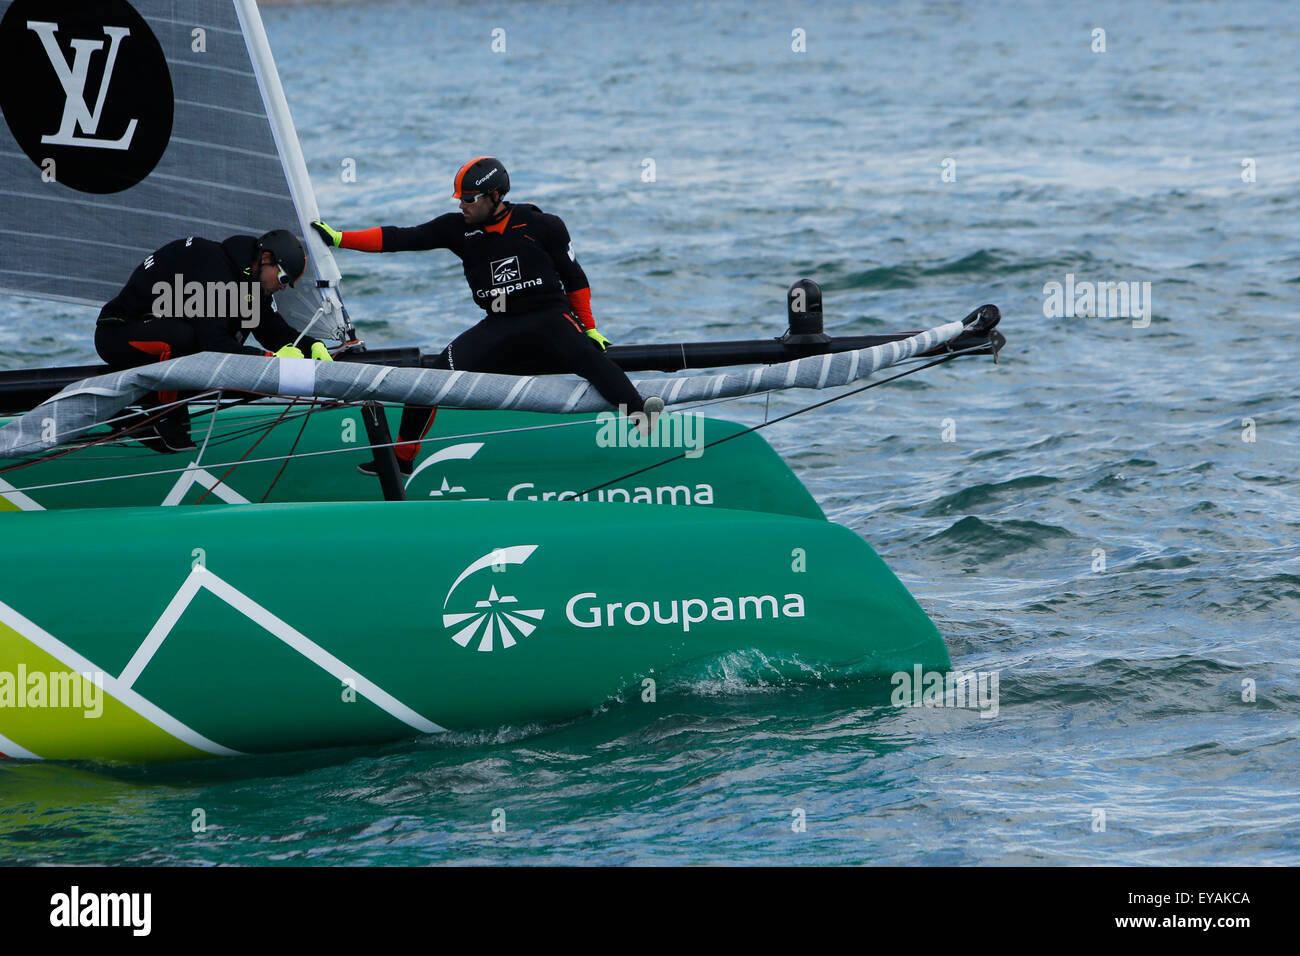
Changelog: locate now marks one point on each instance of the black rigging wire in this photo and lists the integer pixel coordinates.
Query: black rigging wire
(799, 411)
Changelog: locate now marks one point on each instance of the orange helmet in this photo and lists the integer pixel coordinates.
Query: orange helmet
(483, 175)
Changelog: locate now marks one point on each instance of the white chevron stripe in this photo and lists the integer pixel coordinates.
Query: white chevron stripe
(11, 749)
(17, 498)
(122, 692)
(205, 579)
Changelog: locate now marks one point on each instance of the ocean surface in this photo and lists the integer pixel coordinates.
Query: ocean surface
(1108, 518)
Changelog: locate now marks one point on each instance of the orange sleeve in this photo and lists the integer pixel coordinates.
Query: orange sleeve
(580, 302)
(365, 240)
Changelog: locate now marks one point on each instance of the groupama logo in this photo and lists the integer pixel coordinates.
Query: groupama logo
(494, 615)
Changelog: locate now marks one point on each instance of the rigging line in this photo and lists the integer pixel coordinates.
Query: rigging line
(332, 404)
(119, 438)
(267, 431)
(320, 311)
(248, 429)
(329, 406)
(255, 422)
(232, 464)
(351, 449)
(322, 405)
(247, 399)
(429, 439)
(504, 431)
(285, 464)
(178, 471)
(799, 411)
(225, 437)
(212, 422)
(159, 412)
(112, 437)
(222, 438)
(251, 428)
(696, 406)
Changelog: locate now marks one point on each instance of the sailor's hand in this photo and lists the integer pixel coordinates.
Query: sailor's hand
(320, 353)
(598, 339)
(290, 351)
(332, 237)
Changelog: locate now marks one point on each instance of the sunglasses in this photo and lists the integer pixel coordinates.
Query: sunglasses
(468, 199)
(281, 275)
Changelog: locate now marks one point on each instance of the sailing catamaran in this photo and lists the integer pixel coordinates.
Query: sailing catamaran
(135, 630)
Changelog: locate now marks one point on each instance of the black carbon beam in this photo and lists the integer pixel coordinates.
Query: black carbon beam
(381, 441)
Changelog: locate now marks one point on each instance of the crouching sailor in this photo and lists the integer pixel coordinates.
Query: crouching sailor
(522, 271)
(195, 295)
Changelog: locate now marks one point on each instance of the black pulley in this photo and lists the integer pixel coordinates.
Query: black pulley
(804, 310)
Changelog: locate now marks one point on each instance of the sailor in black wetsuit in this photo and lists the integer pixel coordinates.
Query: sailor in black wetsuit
(196, 295)
(522, 271)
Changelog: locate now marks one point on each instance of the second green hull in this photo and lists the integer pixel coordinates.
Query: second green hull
(261, 628)
(517, 456)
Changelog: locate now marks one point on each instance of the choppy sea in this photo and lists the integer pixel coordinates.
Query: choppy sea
(1108, 518)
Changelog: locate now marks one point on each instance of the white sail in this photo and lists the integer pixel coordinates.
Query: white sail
(130, 124)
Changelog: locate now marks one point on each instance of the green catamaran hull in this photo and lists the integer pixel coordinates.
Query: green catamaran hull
(468, 456)
(212, 630)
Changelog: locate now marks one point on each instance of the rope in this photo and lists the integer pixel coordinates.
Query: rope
(112, 437)
(265, 432)
(285, 464)
(799, 411)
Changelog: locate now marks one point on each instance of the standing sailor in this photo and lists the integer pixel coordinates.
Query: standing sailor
(196, 295)
(522, 271)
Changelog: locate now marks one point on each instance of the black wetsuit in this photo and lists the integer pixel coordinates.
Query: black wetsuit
(523, 273)
(142, 325)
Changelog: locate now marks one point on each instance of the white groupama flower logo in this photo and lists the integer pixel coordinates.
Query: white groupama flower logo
(495, 615)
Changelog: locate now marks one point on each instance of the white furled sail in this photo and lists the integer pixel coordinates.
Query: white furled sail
(131, 123)
(66, 417)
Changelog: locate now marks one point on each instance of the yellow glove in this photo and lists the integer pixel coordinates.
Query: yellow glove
(598, 339)
(332, 237)
(320, 353)
(290, 351)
